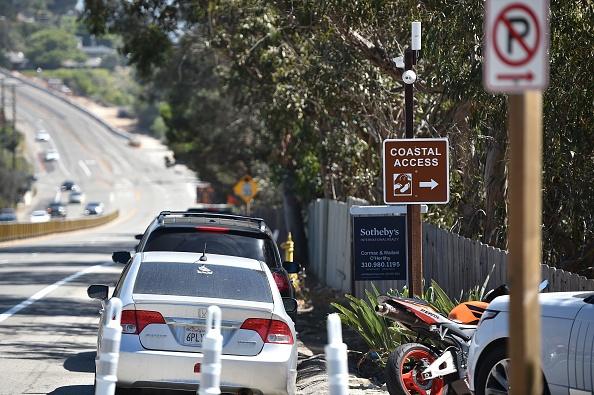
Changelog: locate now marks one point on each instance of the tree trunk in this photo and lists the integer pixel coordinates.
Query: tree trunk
(294, 219)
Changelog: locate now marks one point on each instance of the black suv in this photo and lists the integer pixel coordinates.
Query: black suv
(56, 209)
(213, 233)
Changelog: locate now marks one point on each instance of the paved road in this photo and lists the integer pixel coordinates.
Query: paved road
(47, 324)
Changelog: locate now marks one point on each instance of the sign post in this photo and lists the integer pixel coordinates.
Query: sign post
(413, 212)
(516, 63)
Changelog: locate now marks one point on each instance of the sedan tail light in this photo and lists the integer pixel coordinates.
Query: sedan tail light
(282, 283)
(271, 331)
(134, 321)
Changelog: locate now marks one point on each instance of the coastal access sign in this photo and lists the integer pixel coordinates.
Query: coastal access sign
(416, 171)
(379, 247)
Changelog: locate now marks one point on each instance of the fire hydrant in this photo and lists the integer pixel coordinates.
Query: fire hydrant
(289, 248)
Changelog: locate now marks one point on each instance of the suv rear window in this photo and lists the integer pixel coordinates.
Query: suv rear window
(199, 280)
(241, 244)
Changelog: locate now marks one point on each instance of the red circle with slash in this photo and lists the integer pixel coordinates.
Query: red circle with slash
(502, 18)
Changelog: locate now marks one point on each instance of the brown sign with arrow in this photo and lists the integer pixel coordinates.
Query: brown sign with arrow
(416, 171)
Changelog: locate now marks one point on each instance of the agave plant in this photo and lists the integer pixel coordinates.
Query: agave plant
(380, 334)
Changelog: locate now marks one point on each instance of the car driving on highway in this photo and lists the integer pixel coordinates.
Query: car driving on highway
(51, 155)
(94, 208)
(76, 197)
(7, 215)
(69, 186)
(165, 297)
(38, 216)
(42, 135)
(567, 348)
(56, 209)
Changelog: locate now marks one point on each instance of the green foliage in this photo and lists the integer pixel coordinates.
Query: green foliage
(49, 48)
(110, 88)
(312, 88)
(379, 333)
(14, 180)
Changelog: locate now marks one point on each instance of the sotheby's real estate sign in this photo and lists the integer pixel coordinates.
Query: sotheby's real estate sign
(379, 245)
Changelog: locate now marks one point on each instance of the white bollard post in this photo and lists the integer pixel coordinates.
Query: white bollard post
(336, 358)
(212, 344)
(107, 363)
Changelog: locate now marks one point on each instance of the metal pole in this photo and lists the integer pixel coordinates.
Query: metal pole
(3, 102)
(14, 133)
(524, 240)
(413, 211)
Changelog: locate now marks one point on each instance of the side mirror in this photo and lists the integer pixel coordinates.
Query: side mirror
(138, 237)
(290, 305)
(121, 257)
(291, 267)
(98, 291)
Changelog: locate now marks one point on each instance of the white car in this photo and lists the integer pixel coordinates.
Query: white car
(39, 216)
(567, 345)
(52, 155)
(76, 196)
(165, 297)
(42, 135)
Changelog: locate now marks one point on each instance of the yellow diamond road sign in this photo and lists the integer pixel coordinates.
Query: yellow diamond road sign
(246, 188)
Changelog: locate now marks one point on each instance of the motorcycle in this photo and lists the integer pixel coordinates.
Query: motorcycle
(435, 364)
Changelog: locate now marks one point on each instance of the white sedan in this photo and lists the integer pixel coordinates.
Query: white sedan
(567, 346)
(42, 135)
(52, 155)
(165, 297)
(38, 216)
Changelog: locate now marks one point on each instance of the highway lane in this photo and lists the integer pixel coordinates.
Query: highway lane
(47, 323)
(101, 162)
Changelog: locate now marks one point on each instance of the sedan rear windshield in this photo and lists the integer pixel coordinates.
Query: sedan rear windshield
(202, 280)
(241, 244)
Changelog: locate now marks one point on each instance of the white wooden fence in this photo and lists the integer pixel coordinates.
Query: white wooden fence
(455, 262)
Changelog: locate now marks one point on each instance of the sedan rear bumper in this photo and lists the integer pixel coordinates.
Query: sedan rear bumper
(273, 371)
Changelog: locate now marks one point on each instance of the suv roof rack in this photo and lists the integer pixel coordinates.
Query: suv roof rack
(258, 221)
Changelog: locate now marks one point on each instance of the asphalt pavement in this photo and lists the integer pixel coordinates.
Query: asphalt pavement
(47, 323)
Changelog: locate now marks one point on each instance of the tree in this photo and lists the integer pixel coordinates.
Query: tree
(321, 90)
(49, 48)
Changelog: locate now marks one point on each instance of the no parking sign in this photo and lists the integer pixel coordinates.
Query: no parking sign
(516, 45)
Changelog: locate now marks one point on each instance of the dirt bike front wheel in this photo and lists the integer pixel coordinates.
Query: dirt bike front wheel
(404, 371)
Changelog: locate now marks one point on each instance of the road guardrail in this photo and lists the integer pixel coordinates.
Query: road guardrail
(23, 230)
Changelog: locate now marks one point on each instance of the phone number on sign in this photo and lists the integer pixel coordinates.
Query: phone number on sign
(381, 264)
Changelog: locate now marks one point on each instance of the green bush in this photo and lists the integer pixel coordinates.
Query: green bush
(102, 85)
(380, 334)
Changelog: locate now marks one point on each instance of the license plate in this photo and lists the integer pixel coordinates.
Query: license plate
(193, 335)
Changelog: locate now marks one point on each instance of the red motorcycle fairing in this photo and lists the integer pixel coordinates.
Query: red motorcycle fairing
(421, 309)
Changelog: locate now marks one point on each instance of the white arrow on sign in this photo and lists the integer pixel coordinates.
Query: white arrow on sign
(428, 184)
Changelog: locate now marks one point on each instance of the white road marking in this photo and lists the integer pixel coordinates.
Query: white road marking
(45, 291)
(84, 167)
